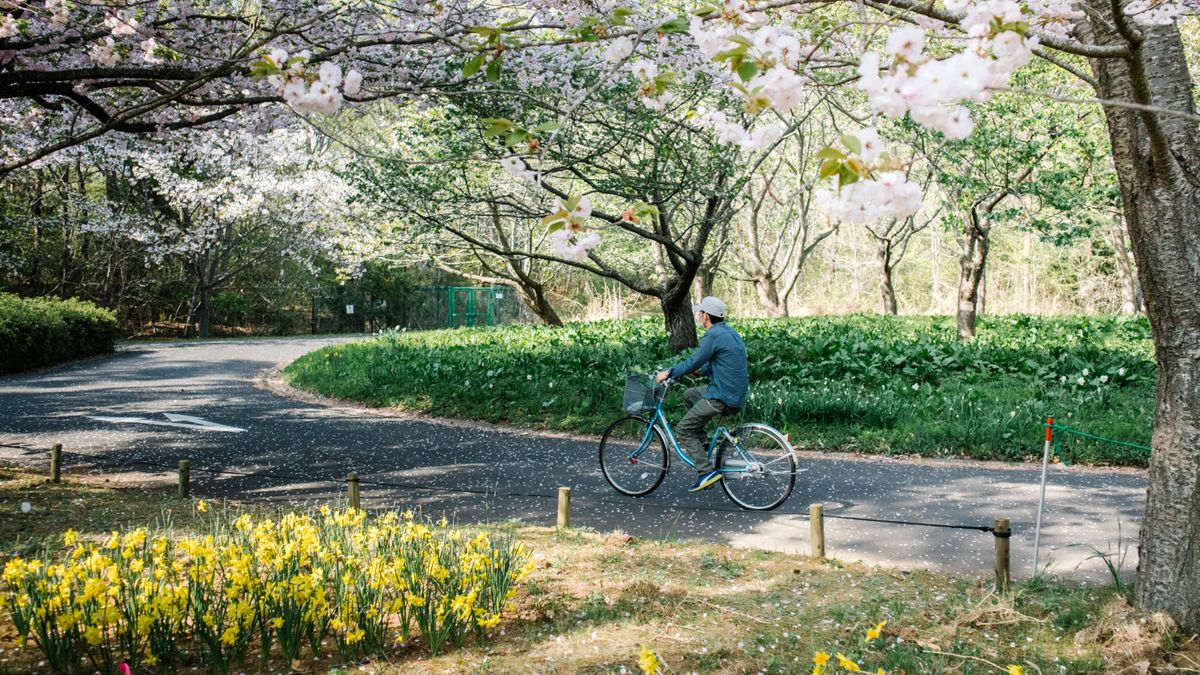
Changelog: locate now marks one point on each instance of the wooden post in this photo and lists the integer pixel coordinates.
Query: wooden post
(1001, 533)
(185, 468)
(352, 488)
(564, 507)
(56, 463)
(816, 523)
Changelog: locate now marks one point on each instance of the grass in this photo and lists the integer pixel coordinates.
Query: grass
(889, 385)
(596, 599)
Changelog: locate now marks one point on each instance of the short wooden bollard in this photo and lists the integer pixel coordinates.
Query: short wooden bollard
(564, 507)
(816, 524)
(56, 463)
(1002, 533)
(352, 489)
(185, 469)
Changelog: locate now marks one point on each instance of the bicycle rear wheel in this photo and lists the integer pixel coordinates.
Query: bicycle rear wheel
(633, 456)
(758, 472)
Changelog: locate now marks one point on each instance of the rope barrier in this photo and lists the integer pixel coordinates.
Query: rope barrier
(122, 464)
(1052, 426)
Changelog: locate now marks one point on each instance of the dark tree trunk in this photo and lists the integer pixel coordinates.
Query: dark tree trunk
(681, 323)
(1157, 158)
(204, 312)
(534, 297)
(971, 264)
(887, 288)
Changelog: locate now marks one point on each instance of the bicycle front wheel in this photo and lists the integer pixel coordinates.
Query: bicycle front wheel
(758, 470)
(633, 456)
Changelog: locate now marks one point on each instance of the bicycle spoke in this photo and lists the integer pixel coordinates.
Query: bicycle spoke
(759, 467)
(633, 456)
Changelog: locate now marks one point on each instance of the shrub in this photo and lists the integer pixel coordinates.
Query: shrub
(156, 601)
(37, 332)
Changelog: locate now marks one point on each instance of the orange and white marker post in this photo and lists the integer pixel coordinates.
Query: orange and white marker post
(1037, 530)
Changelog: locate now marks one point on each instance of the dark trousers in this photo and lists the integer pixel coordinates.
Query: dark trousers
(691, 429)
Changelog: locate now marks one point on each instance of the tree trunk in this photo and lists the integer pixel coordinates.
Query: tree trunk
(935, 281)
(1131, 292)
(1028, 278)
(681, 323)
(1157, 158)
(768, 295)
(204, 312)
(971, 264)
(703, 285)
(534, 297)
(886, 288)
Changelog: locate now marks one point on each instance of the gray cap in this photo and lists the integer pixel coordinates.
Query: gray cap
(711, 306)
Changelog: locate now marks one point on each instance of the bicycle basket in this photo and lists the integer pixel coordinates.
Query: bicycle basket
(641, 394)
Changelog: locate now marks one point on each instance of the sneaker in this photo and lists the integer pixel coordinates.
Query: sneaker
(705, 481)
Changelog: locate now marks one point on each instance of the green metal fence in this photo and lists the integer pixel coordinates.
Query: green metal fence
(465, 306)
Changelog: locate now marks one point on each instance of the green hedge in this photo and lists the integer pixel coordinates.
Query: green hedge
(861, 383)
(37, 332)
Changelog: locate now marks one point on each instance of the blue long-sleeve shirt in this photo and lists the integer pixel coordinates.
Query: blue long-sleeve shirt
(722, 355)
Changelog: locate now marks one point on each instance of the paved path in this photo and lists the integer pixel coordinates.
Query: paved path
(309, 447)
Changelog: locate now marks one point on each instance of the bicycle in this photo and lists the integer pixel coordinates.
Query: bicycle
(756, 461)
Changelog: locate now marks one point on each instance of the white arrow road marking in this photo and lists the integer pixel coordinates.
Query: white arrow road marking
(178, 421)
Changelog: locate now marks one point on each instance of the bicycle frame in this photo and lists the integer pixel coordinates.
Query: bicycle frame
(660, 418)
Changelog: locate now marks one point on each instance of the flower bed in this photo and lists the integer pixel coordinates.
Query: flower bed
(157, 601)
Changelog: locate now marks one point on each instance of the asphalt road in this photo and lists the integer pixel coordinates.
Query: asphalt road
(278, 447)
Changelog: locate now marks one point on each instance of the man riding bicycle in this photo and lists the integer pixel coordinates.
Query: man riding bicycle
(722, 356)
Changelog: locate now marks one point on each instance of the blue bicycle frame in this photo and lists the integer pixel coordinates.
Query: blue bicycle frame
(661, 419)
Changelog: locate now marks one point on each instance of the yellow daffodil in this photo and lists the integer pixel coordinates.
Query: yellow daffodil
(846, 664)
(648, 662)
(1016, 670)
(201, 506)
(873, 633)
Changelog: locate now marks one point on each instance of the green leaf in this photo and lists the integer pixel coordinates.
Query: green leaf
(620, 14)
(730, 53)
(846, 176)
(516, 137)
(852, 143)
(496, 127)
(828, 168)
(747, 70)
(493, 70)
(546, 127)
(471, 67)
(741, 40)
(677, 25)
(830, 152)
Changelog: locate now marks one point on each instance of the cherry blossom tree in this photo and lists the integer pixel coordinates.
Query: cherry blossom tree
(782, 225)
(237, 200)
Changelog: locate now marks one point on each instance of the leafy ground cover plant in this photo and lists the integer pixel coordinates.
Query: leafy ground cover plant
(864, 383)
